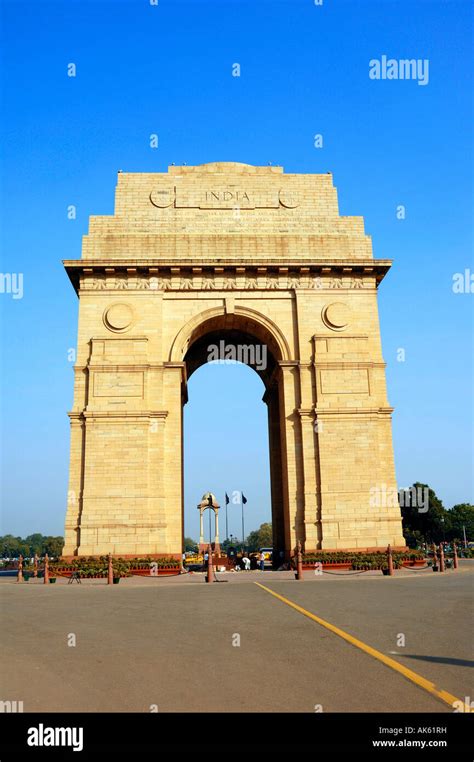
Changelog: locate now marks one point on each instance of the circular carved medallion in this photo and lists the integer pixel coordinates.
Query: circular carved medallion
(118, 317)
(162, 197)
(288, 198)
(336, 316)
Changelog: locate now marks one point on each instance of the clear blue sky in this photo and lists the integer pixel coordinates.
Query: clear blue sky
(167, 69)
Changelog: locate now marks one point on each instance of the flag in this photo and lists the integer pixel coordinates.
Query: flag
(227, 501)
(244, 499)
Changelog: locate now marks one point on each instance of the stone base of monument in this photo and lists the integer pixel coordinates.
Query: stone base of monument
(204, 546)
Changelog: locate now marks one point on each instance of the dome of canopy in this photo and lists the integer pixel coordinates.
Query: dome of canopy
(208, 499)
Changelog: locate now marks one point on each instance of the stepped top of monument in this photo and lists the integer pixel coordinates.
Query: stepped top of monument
(236, 167)
(183, 197)
(226, 211)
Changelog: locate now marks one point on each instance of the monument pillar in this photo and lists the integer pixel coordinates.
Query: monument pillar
(201, 528)
(293, 495)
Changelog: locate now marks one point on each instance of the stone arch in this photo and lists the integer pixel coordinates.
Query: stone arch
(264, 328)
(245, 325)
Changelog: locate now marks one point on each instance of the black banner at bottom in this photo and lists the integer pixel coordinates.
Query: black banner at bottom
(85, 736)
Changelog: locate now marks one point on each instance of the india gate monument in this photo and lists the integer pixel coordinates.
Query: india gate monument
(249, 255)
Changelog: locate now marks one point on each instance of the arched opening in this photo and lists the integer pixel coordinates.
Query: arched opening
(231, 342)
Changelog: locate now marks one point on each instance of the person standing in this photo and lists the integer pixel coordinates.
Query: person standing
(262, 561)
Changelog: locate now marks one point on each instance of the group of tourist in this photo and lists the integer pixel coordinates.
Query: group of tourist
(241, 561)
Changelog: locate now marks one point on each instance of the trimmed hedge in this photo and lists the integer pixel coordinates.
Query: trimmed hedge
(359, 561)
(98, 567)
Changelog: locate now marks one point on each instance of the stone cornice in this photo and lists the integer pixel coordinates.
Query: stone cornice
(348, 364)
(327, 412)
(112, 414)
(161, 275)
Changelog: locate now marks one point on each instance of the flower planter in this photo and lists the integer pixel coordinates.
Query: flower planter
(342, 565)
(69, 572)
(84, 575)
(52, 580)
(418, 562)
(116, 580)
(167, 571)
(385, 572)
(161, 570)
(435, 568)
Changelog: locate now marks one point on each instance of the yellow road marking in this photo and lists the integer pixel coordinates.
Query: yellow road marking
(448, 698)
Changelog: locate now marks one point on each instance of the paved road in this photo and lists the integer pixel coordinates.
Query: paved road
(165, 642)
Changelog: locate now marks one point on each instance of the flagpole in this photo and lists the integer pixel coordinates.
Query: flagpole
(226, 527)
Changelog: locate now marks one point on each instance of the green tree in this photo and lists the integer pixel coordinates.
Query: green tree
(35, 543)
(260, 538)
(235, 542)
(431, 525)
(461, 515)
(190, 544)
(413, 538)
(10, 546)
(53, 546)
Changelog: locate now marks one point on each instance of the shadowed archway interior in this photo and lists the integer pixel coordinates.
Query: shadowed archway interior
(249, 342)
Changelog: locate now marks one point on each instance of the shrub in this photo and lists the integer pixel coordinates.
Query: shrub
(93, 567)
(363, 560)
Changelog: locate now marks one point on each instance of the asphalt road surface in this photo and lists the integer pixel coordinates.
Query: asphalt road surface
(188, 646)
